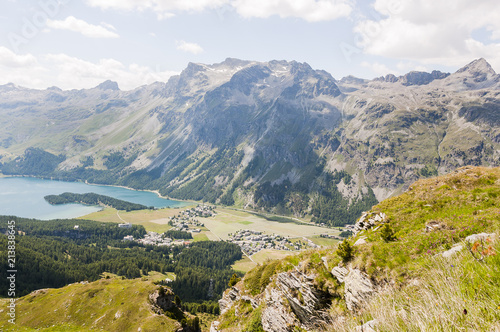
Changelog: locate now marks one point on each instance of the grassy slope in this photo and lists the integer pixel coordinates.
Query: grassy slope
(423, 291)
(465, 202)
(107, 304)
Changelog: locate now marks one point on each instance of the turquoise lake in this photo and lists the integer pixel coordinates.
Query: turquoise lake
(23, 197)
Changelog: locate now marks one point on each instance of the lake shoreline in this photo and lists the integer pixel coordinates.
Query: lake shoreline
(157, 192)
(18, 191)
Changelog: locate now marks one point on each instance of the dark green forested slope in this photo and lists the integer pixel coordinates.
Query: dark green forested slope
(54, 253)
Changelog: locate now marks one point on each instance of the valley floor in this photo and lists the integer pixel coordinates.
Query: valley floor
(225, 222)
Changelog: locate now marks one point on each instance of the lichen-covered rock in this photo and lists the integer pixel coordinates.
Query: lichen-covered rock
(360, 241)
(367, 327)
(340, 273)
(358, 289)
(230, 296)
(276, 314)
(294, 300)
(452, 251)
(480, 237)
(369, 220)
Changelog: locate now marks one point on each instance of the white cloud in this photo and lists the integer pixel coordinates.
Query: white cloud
(11, 59)
(89, 30)
(432, 32)
(189, 47)
(309, 10)
(69, 72)
(378, 69)
(163, 8)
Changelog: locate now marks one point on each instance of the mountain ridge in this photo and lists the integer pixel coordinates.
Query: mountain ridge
(274, 135)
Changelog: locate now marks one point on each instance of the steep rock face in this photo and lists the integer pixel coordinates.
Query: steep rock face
(290, 300)
(276, 315)
(295, 290)
(358, 289)
(230, 296)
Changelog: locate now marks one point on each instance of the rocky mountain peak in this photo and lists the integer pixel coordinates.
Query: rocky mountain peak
(108, 85)
(350, 79)
(477, 67)
(414, 78)
(233, 62)
(54, 88)
(8, 87)
(476, 75)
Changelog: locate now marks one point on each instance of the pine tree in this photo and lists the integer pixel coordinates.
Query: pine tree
(345, 251)
(387, 233)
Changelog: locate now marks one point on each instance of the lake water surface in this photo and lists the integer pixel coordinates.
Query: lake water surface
(23, 197)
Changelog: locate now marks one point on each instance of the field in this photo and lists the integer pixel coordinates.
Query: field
(322, 241)
(268, 254)
(219, 227)
(228, 221)
(152, 220)
(246, 264)
(225, 222)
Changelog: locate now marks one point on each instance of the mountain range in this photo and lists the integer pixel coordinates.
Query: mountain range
(275, 135)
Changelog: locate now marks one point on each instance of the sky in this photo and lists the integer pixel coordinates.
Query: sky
(75, 44)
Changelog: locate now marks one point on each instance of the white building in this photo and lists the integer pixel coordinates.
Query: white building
(125, 225)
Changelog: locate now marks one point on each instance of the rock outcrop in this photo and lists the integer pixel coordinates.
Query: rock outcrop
(340, 273)
(230, 296)
(292, 299)
(214, 327)
(480, 237)
(369, 220)
(358, 289)
(162, 300)
(276, 315)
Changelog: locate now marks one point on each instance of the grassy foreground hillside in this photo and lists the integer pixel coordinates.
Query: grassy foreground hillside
(415, 287)
(107, 304)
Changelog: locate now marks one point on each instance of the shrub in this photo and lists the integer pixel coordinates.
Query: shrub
(345, 251)
(387, 233)
(234, 280)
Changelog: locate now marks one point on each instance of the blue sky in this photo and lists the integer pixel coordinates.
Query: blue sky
(80, 43)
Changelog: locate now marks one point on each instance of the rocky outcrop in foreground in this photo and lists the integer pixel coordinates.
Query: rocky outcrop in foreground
(294, 298)
(162, 300)
(291, 300)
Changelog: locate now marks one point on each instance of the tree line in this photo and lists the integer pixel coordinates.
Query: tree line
(94, 199)
(54, 253)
